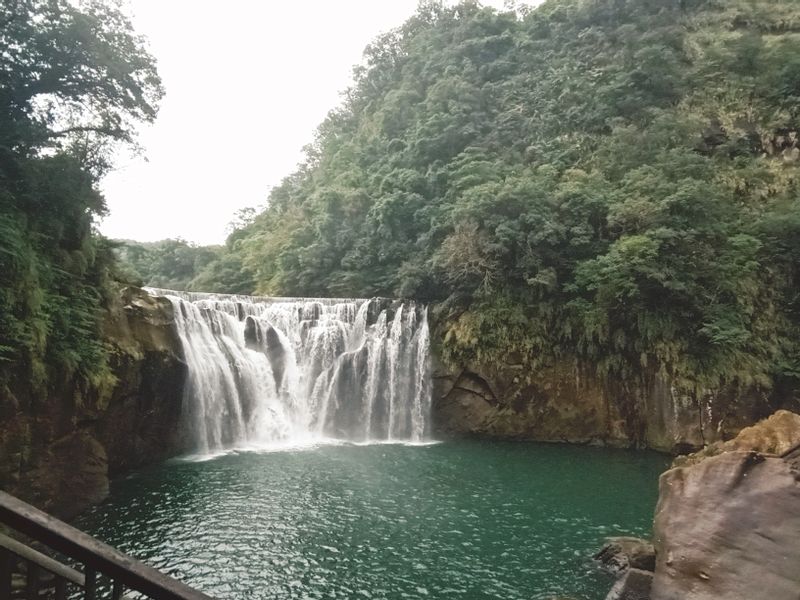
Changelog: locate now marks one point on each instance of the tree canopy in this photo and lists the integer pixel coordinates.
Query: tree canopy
(610, 181)
(74, 78)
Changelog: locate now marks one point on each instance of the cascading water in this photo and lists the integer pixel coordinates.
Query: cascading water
(273, 370)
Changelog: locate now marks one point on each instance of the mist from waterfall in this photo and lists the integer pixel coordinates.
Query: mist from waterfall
(265, 371)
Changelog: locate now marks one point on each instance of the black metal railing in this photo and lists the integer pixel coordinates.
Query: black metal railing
(97, 559)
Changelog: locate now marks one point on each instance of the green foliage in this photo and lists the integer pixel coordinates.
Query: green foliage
(169, 264)
(613, 181)
(73, 78)
(176, 264)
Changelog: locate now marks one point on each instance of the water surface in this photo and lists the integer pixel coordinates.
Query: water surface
(454, 520)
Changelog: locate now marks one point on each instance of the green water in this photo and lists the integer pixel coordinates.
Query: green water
(453, 520)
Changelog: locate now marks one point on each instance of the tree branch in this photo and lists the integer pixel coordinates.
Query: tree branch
(116, 133)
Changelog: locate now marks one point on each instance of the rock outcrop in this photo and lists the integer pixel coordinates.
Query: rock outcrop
(566, 402)
(774, 436)
(58, 450)
(727, 523)
(729, 527)
(622, 553)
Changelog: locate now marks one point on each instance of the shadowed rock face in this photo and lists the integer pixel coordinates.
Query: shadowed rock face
(139, 424)
(634, 585)
(729, 527)
(59, 450)
(566, 402)
(559, 404)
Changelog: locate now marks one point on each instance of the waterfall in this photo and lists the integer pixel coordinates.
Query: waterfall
(293, 370)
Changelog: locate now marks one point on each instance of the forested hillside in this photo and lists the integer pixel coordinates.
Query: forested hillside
(176, 264)
(613, 181)
(74, 79)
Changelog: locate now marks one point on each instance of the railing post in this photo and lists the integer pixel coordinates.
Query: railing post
(6, 564)
(90, 585)
(61, 588)
(116, 592)
(32, 590)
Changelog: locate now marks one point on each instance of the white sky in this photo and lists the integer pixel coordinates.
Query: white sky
(247, 82)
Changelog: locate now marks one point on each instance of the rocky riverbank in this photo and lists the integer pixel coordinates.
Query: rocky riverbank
(727, 524)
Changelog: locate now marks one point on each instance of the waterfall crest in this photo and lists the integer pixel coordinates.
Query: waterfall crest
(273, 370)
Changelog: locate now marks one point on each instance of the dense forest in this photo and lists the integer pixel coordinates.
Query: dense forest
(176, 264)
(610, 181)
(74, 79)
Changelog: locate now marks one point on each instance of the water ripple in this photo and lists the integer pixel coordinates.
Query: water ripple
(456, 520)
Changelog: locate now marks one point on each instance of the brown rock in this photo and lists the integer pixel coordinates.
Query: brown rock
(621, 553)
(569, 402)
(728, 527)
(635, 585)
(560, 403)
(58, 449)
(72, 475)
(465, 407)
(774, 436)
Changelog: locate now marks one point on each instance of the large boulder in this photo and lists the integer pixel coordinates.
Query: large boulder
(727, 526)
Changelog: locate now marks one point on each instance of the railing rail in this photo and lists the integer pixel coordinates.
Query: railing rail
(96, 557)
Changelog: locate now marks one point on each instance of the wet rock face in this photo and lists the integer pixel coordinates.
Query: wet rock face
(565, 402)
(729, 527)
(58, 451)
(560, 404)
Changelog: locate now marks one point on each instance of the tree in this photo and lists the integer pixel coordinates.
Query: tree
(73, 79)
(68, 69)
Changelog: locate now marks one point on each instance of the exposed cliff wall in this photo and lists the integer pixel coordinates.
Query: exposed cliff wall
(568, 403)
(59, 450)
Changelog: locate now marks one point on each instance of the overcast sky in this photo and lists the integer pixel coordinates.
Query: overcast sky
(247, 83)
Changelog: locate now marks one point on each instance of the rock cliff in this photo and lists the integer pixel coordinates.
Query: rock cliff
(58, 451)
(566, 402)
